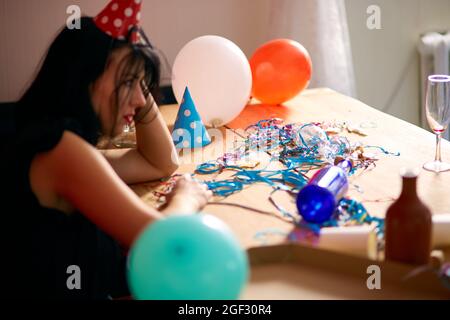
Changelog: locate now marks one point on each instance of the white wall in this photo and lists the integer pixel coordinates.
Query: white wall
(173, 23)
(27, 27)
(386, 60)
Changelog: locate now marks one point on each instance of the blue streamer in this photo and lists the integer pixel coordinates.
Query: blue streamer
(208, 168)
(293, 150)
(395, 154)
(224, 188)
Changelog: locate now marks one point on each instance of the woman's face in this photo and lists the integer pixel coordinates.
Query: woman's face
(117, 103)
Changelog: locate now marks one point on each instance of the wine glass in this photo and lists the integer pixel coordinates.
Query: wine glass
(437, 110)
(127, 138)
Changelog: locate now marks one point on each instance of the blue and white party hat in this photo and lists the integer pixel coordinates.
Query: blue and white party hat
(189, 130)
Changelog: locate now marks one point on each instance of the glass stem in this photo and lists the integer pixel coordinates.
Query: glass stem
(437, 158)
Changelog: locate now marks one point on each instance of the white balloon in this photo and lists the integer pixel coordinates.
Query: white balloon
(218, 76)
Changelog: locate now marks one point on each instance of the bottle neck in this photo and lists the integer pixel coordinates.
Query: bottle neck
(409, 188)
(345, 165)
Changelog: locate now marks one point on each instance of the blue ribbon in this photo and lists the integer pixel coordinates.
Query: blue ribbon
(296, 159)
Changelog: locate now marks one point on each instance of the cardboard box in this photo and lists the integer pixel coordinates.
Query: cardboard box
(297, 272)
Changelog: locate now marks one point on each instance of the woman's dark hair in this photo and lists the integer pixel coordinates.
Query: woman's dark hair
(75, 59)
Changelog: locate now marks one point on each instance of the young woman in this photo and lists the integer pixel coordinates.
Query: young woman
(66, 203)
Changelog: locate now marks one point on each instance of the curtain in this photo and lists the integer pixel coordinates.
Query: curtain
(321, 27)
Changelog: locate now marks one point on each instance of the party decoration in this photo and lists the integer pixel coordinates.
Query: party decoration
(187, 257)
(218, 75)
(188, 130)
(119, 17)
(301, 147)
(317, 201)
(281, 69)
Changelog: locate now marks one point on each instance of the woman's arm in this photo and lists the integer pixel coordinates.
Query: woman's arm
(155, 156)
(79, 174)
(154, 141)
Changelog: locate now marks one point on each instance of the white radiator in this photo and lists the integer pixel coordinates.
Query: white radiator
(434, 59)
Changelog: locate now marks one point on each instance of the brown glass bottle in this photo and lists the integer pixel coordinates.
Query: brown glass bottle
(408, 225)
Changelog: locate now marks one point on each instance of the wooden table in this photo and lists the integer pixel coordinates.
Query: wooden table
(378, 187)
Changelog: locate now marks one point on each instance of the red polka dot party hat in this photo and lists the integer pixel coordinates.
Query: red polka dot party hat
(119, 17)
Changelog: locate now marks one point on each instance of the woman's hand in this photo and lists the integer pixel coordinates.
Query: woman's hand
(187, 196)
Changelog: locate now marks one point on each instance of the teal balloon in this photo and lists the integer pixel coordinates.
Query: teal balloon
(187, 257)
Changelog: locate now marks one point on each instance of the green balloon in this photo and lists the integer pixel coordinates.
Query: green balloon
(187, 257)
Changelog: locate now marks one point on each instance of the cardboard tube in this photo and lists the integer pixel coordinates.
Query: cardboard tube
(362, 240)
(441, 230)
(355, 240)
(358, 240)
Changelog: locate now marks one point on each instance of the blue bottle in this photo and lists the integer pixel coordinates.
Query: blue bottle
(317, 201)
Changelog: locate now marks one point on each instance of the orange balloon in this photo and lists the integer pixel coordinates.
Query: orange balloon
(281, 69)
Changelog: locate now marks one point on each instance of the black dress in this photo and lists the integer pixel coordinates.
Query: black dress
(42, 244)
